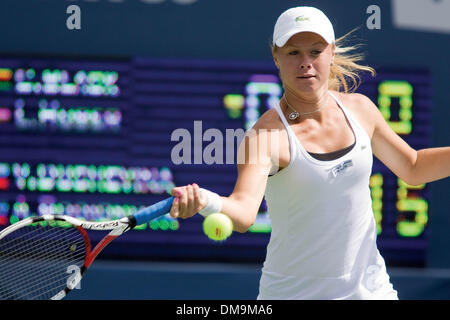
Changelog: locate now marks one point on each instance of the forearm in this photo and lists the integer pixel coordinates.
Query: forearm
(431, 164)
(240, 211)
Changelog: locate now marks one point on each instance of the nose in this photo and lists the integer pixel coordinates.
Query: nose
(304, 62)
(305, 65)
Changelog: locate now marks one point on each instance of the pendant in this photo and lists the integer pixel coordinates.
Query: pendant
(293, 115)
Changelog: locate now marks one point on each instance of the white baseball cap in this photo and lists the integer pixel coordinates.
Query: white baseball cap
(302, 19)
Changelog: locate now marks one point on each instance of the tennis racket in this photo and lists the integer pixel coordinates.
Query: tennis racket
(37, 253)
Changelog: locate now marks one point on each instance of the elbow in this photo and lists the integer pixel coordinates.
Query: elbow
(242, 211)
(245, 225)
(413, 179)
(242, 228)
(408, 177)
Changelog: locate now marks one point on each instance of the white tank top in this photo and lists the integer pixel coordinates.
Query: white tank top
(323, 240)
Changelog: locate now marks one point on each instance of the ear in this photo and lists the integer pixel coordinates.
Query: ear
(275, 60)
(333, 49)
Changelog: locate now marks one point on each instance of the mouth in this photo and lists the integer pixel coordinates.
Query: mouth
(306, 76)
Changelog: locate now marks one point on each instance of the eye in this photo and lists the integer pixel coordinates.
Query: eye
(293, 52)
(316, 52)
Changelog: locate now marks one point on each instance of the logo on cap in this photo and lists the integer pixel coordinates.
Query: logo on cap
(301, 18)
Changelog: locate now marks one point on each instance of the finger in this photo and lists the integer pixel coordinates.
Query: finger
(203, 198)
(190, 203)
(183, 203)
(174, 210)
(176, 192)
(197, 198)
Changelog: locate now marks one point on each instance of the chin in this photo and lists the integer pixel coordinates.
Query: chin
(301, 86)
(308, 88)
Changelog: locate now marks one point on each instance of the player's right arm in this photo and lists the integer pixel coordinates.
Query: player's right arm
(242, 205)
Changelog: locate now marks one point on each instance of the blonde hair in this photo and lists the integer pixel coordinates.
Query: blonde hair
(345, 70)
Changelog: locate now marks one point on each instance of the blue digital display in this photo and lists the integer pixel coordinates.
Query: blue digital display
(96, 138)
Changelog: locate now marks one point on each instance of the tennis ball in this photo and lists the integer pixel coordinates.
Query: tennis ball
(217, 226)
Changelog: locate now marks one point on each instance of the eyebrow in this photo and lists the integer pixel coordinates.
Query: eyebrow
(318, 42)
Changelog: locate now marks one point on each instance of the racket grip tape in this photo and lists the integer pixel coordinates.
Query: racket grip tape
(151, 212)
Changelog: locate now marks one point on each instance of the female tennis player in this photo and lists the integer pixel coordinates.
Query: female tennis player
(316, 182)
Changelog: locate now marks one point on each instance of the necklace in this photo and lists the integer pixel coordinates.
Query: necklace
(295, 114)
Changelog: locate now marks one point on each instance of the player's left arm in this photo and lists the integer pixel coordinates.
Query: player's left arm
(412, 166)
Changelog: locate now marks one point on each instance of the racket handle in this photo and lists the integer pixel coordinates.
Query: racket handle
(153, 211)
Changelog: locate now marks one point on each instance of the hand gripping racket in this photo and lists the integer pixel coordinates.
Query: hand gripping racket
(36, 253)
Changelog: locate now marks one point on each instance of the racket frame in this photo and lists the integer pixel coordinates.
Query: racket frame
(116, 228)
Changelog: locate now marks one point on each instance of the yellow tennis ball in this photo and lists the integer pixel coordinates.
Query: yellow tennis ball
(217, 226)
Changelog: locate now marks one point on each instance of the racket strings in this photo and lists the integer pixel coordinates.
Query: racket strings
(34, 261)
(20, 246)
(32, 276)
(35, 290)
(13, 252)
(19, 267)
(26, 250)
(18, 240)
(32, 269)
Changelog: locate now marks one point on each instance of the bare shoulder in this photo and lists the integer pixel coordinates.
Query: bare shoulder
(269, 120)
(361, 107)
(356, 102)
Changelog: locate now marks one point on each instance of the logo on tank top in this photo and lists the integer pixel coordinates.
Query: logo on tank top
(341, 168)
